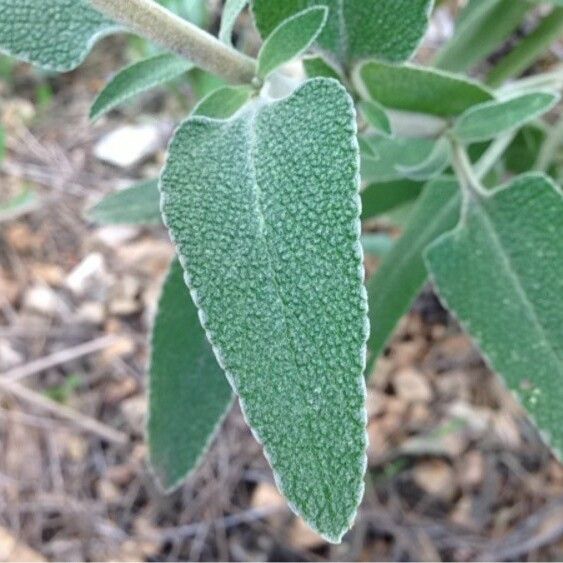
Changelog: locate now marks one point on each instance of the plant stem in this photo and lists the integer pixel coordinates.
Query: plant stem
(163, 27)
(529, 49)
(552, 80)
(493, 154)
(470, 183)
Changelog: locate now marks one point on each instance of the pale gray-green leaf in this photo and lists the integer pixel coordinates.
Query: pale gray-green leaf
(231, 11)
(54, 34)
(388, 29)
(436, 162)
(501, 273)
(224, 102)
(417, 89)
(267, 225)
(387, 156)
(189, 395)
(402, 275)
(138, 78)
(488, 120)
(374, 113)
(137, 205)
(316, 67)
(290, 39)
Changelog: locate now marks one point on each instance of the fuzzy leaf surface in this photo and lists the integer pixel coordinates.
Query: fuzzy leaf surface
(417, 89)
(231, 12)
(387, 29)
(402, 275)
(137, 205)
(137, 78)
(291, 38)
(501, 273)
(264, 211)
(488, 120)
(189, 395)
(54, 34)
(223, 102)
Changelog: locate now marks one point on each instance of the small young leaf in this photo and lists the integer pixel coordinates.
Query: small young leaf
(488, 120)
(401, 276)
(137, 205)
(374, 114)
(389, 155)
(224, 102)
(264, 211)
(316, 67)
(231, 12)
(387, 29)
(501, 273)
(417, 89)
(290, 39)
(138, 78)
(189, 395)
(378, 199)
(54, 34)
(436, 162)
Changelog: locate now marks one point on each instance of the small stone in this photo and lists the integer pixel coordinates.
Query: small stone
(412, 386)
(134, 411)
(92, 313)
(43, 300)
(124, 307)
(436, 478)
(90, 277)
(472, 469)
(129, 145)
(301, 536)
(114, 236)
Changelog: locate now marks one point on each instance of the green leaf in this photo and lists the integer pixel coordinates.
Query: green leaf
(137, 205)
(501, 273)
(189, 395)
(138, 78)
(264, 211)
(316, 67)
(490, 119)
(24, 202)
(485, 25)
(231, 12)
(389, 156)
(417, 89)
(224, 102)
(377, 244)
(54, 34)
(402, 275)
(436, 162)
(374, 114)
(523, 152)
(378, 199)
(387, 29)
(290, 39)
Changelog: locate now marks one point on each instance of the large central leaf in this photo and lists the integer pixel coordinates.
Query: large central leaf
(264, 210)
(387, 29)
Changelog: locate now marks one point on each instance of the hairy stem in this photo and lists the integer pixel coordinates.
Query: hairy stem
(469, 181)
(154, 22)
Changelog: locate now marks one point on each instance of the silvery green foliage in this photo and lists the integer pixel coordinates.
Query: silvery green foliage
(267, 227)
(54, 34)
(231, 12)
(501, 273)
(137, 78)
(189, 395)
(388, 29)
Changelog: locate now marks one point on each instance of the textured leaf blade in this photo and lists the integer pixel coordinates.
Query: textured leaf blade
(417, 89)
(488, 120)
(316, 67)
(268, 227)
(291, 38)
(501, 273)
(231, 12)
(402, 275)
(137, 205)
(224, 102)
(137, 78)
(54, 34)
(387, 29)
(189, 395)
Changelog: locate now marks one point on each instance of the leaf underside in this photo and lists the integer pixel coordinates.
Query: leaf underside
(189, 395)
(501, 273)
(388, 29)
(268, 228)
(54, 34)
